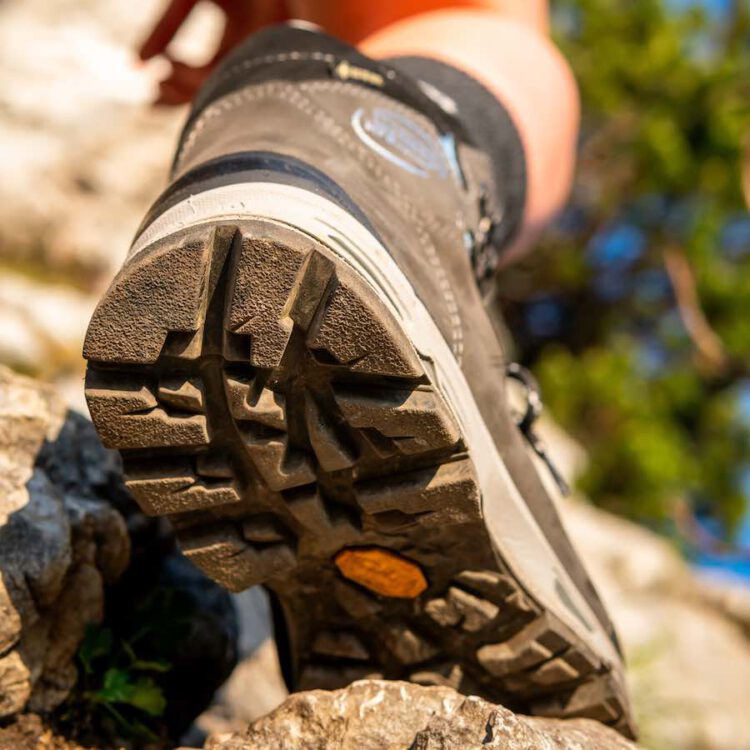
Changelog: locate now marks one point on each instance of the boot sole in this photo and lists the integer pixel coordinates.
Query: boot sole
(267, 401)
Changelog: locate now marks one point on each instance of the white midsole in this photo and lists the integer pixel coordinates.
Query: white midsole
(524, 547)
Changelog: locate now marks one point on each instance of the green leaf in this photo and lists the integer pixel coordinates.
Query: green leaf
(148, 697)
(145, 665)
(116, 688)
(97, 642)
(151, 665)
(143, 694)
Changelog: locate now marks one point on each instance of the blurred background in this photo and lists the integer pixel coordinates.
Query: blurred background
(634, 313)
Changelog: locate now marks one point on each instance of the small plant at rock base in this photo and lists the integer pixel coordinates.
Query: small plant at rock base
(117, 688)
(123, 665)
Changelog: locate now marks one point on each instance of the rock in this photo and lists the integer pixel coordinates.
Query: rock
(70, 538)
(378, 715)
(206, 641)
(730, 597)
(83, 153)
(686, 645)
(42, 324)
(60, 543)
(29, 732)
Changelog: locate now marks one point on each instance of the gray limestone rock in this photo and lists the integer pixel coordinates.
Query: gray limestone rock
(380, 715)
(60, 543)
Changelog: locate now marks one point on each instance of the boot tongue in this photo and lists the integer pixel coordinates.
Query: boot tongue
(489, 151)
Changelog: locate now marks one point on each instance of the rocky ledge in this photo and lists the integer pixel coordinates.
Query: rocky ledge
(60, 543)
(381, 715)
(99, 614)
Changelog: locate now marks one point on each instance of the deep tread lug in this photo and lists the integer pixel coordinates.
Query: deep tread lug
(594, 699)
(416, 421)
(281, 467)
(267, 408)
(312, 282)
(407, 646)
(153, 296)
(536, 643)
(493, 586)
(233, 562)
(449, 491)
(476, 613)
(183, 393)
(311, 512)
(264, 278)
(172, 489)
(373, 343)
(129, 417)
(332, 453)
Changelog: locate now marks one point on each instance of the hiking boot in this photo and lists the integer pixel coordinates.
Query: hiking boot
(297, 369)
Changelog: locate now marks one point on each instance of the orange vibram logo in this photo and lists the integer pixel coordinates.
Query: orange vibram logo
(382, 571)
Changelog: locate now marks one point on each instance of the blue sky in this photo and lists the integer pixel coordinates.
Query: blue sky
(717, 8)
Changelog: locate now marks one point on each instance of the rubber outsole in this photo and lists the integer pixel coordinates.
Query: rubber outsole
(267, 402)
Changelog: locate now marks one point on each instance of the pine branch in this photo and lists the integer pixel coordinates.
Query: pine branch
(707, 343)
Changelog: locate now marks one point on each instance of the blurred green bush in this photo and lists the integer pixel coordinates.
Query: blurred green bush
(635, 312)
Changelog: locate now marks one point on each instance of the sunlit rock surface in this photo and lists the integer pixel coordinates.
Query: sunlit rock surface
(375, 714)
(60, 543)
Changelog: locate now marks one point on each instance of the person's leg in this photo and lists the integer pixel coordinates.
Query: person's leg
(516, 61)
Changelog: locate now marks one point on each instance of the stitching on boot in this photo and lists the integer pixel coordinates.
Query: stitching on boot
(270, 59)
(292, 96)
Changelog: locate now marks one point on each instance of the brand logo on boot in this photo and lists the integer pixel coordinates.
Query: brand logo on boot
(401, 141)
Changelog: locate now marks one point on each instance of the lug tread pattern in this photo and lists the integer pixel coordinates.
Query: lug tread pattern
(161, 294)
(133, 417)
(229, 557)
(376, 346)
(268, 403)
(176, 487)
(445, 494)
(539, 658)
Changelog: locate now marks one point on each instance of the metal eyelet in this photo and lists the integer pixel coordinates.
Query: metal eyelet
(525, 422)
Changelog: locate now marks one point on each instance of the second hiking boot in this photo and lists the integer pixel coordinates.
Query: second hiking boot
(297, 368)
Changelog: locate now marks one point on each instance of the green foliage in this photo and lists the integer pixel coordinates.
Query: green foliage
(119, 684)
(97, 643)
(125, 665)
(652, 395)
